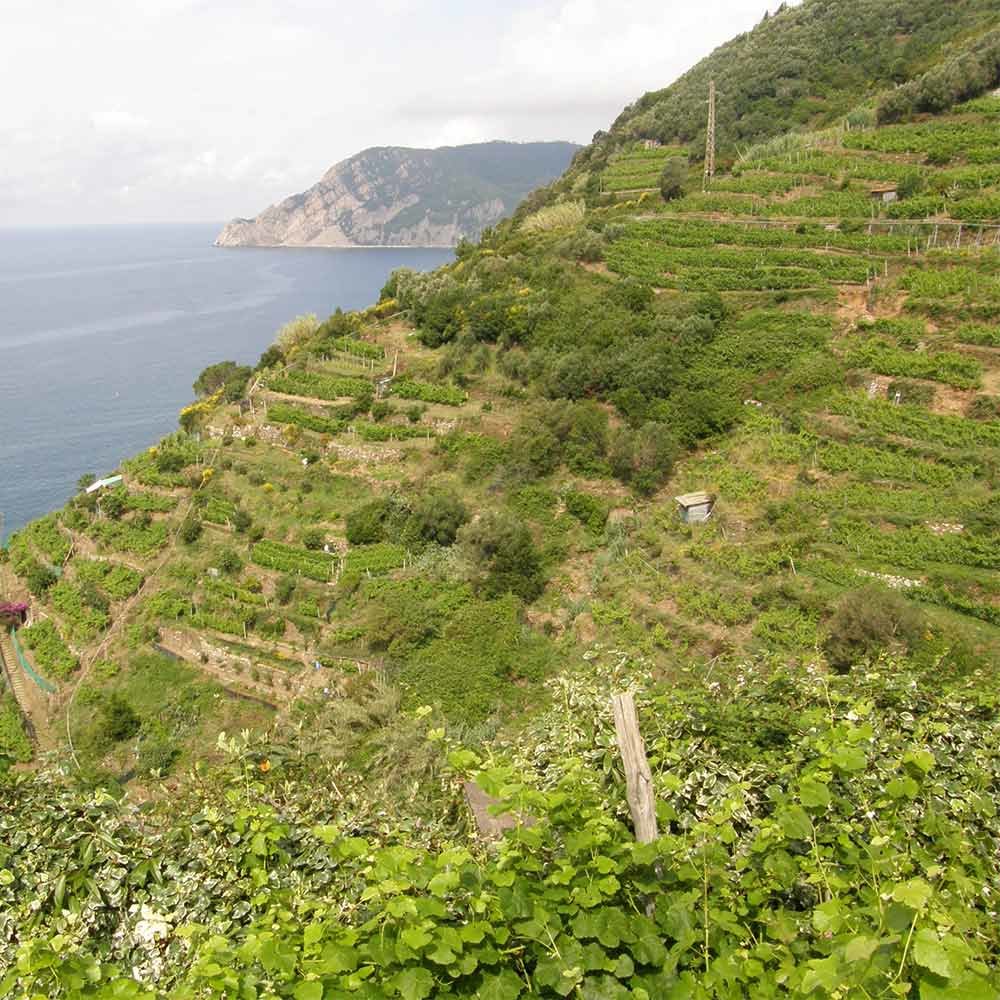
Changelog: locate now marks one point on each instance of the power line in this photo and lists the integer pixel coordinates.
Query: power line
(710, 138)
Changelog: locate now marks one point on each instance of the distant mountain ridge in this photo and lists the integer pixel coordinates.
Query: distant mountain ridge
(395, 196)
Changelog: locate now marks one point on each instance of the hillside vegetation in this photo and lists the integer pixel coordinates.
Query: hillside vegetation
(423, 544)
(812, 65)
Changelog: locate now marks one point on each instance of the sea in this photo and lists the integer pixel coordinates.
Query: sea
(103, 330)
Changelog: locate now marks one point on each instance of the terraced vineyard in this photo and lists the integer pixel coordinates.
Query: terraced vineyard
(638, 169)
(431, 538)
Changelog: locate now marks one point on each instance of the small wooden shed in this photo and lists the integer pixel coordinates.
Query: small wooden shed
(695, 507)
(885, 193)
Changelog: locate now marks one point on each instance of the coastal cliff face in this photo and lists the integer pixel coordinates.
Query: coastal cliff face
(393, 196)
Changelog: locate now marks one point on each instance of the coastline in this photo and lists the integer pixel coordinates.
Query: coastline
(334, 246)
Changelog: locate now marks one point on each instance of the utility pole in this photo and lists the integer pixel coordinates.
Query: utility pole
(710, 138)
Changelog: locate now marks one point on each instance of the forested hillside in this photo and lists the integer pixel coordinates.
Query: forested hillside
(811, 65)
(383, 586)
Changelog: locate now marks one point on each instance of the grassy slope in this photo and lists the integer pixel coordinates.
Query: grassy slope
(833, 377)
(818, 488)
(804, 481)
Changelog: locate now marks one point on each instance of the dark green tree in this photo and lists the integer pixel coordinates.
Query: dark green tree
(673, 179)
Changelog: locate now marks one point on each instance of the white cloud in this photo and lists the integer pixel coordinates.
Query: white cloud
(207, 109)
(118, 121)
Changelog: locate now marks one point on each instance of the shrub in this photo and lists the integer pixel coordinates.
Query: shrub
(867, 621)
(984, 408)
(284, 588)
(313, 538)
(271, 358)
(40, 579)
(673, 179)
(364, 526)
(119, 720)
(437, 517)
(588, 510)
(504, 554)
(644, 458)
(564, 215)
(190, 530)
(241, 520)
(229, 562)
(226, 375)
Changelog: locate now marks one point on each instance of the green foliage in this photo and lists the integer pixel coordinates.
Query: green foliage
(940, 142)
(283, 413)
(438, 516)
(949, 367)
(50, 654)
(708, 603)
(478, 652)
(982, 336)
(914, 422)
(45, 535)
(390, 432)
(428, 393)
(382, 557)
(916, 546)
(357, 348)
(133, 535)
(152, 503)
(788, 629)
(717, 269)
(190, 530)
(81, 619)
(591, 512)
(638, 169)
(673, 179)
(313, 538)
(817, 835)
(966, 74)
(229, 562)
(320, 386)
(366, 524)
(504, 556)
(868, 620)
(14, 743)
(114, 579)
(228, 376)
(806, 63)
(119, 720)
(291, 559)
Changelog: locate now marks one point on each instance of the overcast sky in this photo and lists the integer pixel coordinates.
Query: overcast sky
(184, 110)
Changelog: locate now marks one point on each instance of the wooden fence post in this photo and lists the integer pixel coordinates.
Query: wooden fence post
(638, 777)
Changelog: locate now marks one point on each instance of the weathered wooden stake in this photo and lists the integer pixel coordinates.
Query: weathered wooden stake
(638, 777)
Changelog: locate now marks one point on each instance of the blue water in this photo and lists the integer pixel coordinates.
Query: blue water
(103, 329)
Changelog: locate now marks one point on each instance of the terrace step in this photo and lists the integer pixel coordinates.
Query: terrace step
(16, 681)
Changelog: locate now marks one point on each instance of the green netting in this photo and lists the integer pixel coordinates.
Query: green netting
(28, 668)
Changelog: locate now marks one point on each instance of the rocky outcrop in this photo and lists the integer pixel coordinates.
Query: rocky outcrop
(392, 196)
